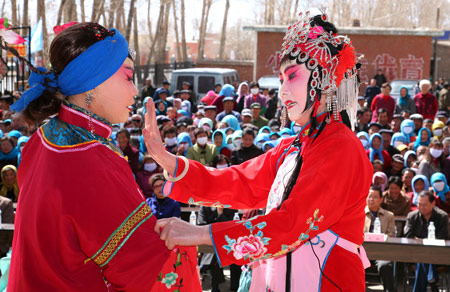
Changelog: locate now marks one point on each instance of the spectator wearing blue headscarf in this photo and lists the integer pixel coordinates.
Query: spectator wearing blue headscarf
(274, 136)
(286, 133)
(398, 139)
(265, 129)
(20, 145)
(441, 190)
(405, 102)
(233, 122)
(269, 145)
(364, 137)
(8, 154)
(376, 151)
(14, 135)
(407, 129)
(220, 141)
(226, 91)
(186, 105)
(419, 183)
(261, 139)
(184, 142)
(423, 138)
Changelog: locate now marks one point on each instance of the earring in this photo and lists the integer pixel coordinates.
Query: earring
(284, 117)
(89, 98)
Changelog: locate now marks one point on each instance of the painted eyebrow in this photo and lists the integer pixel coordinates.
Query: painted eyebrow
(289, 67)
(129, 68)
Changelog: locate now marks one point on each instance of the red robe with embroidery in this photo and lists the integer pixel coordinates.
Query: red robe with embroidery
(334, 181)
(82, 223)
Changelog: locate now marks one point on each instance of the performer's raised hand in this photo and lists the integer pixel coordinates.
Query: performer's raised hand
(153, 142)
(175, 231)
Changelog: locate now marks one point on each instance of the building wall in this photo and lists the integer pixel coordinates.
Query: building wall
(244, 68)
(443, 52)
(400, 57)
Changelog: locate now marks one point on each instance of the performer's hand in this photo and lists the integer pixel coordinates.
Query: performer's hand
(175, 231)
(153, 142)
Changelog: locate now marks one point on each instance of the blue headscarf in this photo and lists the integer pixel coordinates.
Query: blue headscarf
(272, 144)
(88, 70)
(293, 124)
(398, 137)
(227, 90)
(232, 121)
(23, 139)
(183, 112)
(237, 134)
(224, 140)
(274, 133)
(438, 176)
(265, 128)
(407, 154)
(15, 134)
(145, 104)
(208, 122)
(419, 139)
(261, 137)
(186, 105)
(286, 131)
(378, 151)
(364, 134)
(403, 100)
(159, 112)
(426, 183)
(407, 123)
(184, 138)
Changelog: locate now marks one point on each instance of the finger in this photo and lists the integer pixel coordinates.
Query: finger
(160, 224)
(150, 115)
(166, 230)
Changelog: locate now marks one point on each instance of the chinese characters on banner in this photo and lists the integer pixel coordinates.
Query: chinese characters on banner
(409, 68)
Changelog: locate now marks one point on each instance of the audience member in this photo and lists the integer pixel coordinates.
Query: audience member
(247, 150)
(371, 91)
(132, 154)
(419, 183)
(433, 160)
(255, 96)
(407, 176)
(258, 120)
(426, 102)
(394, 200)
(162, 207)
(202, 151)
(376, 150)
(383, 100)
(441, 191)
(418, 122)
(148, 169)
(405, 102)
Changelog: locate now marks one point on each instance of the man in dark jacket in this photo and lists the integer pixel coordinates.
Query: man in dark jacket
(247, 150)
(417, 224)
(148, 89)
(371, 91)
(272, 104)
(123, 139)
(162, 207)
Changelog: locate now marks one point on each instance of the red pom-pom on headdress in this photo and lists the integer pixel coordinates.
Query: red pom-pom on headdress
(59, 28)
(346, 61)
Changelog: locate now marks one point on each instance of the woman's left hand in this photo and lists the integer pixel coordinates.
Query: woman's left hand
(175, 231)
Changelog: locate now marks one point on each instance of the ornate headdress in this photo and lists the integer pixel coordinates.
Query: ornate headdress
(331, 59)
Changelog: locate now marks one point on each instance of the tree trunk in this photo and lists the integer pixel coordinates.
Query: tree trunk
(201, 46)
(25, 21)
(130, 21)
(157, 32)
(41, 14)
(200, 36)
(70, 11)
(136, 47)
(60, 12)
(94, 9)
(223, 37)
(294, 17)
(119, 12)
(112, 12)
(177, 39)
(183, 34)
(83, 13)
(14, 13)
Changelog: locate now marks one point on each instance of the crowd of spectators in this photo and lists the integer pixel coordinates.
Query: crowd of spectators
(407, 140)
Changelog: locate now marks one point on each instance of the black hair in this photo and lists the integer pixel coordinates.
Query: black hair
(428, 194)
(124, 131)
(169, 130)
(199, 131)
(395, 180)
(363, 110)
(253, 84)
(382, 110)
(272, 91)
(220, 158)
(378, 189)
(248, 131)
(408, 169)
(136, 131)
(384, 85)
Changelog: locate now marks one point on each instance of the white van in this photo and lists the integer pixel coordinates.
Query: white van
(202, 79)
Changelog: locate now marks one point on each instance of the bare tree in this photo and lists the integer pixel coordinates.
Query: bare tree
(157, 32)
(203, 25)
(83, 13)
(183, 33)
(130, 20)
(70, 11)
(112, 12)
(41, 14)
(14, 12)
(223, 36)
(60, 12)
(136, 46)
(25, 21)
(175, 21)
(120, 14)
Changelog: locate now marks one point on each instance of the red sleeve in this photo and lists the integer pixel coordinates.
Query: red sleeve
(329, 193)
(374, 101)
(387, 159)
(436, 106)
(208, 186)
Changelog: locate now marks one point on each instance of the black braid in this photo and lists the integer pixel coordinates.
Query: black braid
(13, 51)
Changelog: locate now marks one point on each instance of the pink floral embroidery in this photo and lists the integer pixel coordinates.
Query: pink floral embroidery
(315, 32)
(248, 246)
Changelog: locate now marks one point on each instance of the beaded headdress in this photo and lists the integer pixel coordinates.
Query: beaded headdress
(331, 59)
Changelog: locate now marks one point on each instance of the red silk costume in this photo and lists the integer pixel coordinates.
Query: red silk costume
(82, 223)
(330, 193)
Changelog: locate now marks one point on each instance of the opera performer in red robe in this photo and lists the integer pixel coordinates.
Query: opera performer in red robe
(82, 224)
(313, 186)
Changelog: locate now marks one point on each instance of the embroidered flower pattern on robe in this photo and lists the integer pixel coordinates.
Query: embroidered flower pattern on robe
(249, 247)
(311, 221)
(170, 279)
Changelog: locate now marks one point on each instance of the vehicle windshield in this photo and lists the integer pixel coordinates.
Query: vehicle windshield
(397, 84)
